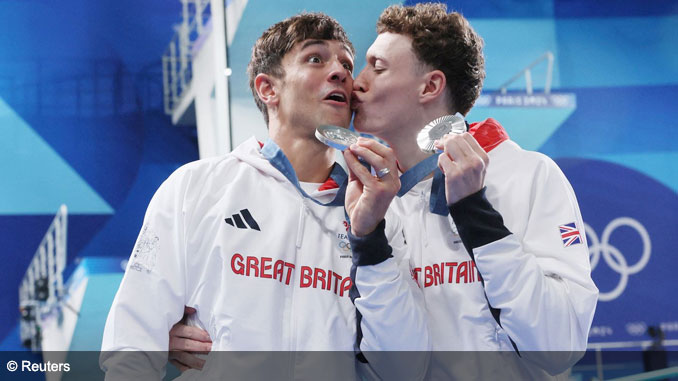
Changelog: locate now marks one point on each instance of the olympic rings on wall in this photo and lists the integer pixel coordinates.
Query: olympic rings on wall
(613, 257)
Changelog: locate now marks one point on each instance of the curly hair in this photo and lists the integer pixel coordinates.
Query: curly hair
(279, 39)
(443, 41)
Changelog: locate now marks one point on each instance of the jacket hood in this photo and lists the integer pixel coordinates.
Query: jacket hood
(249, 152)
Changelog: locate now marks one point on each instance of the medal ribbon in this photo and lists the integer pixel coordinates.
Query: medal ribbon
(438, 202)
(279, 161)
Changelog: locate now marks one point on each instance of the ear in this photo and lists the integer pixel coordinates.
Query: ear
(433, 87)
(266, 89)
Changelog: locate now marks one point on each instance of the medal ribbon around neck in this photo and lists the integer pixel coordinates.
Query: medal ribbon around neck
(279, 161)
(438, 202)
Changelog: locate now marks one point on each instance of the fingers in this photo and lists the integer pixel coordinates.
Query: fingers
(377, 155)
(445, 164)
(358, 171)
(376, 147)
(182, 368)
(448, 166)
(475, 146)
(188, 345)
(186, 338)
(464, 163)
(351, 175)
(191, 340)
(453, 145)
(185, 361)
(185, 342)
(374, 158)
(464, 149)
(188, 332)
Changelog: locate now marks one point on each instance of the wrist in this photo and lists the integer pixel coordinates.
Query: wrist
(372, 248)
(363, 231)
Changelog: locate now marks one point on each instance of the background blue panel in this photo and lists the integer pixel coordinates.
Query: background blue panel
(528, 126)
(608, 191)
(522, 42)
(498, 9)
(613, 8)
(621, 124)
(619, 120)
(30, 165)
(633, 51)
(655, 164)
(81, 82)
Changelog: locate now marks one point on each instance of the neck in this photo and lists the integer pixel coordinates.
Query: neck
(404, 143)
(312, 160)
(407, 152)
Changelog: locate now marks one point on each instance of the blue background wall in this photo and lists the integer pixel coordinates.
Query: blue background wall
(81, 123)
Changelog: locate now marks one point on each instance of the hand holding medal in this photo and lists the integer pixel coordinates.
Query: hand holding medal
(368, 196)
(462, 160)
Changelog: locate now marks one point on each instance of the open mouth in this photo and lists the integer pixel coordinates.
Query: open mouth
(336, 96)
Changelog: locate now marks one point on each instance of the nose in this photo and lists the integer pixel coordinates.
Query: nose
(359, 84)
(338, 72)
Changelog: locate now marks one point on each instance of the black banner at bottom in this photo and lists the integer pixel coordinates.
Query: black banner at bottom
(138, 366)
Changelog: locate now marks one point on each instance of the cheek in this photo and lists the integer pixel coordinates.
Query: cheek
(392, 86)
(392, 98)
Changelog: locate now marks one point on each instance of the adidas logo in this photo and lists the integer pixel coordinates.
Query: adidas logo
(238, 222)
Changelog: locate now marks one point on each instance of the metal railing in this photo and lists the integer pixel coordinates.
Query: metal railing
(42, 286)
(662, 374)
(176, 61)
(527, 72)
(642, 345)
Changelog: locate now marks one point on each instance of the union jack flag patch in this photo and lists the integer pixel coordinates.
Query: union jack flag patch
(569, 234)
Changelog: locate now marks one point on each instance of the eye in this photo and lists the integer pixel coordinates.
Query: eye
(314, 59)
(348, 67)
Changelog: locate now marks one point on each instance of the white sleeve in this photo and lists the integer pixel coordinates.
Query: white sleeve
(393, 335)
(542, 287)
(152, 293)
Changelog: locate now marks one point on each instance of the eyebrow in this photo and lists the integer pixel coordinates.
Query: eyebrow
(313, 42)
(323, 42)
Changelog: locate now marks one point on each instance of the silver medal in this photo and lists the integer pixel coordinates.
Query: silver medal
(336, 137)
(438, 128)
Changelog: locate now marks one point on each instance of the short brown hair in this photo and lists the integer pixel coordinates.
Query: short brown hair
(444, 41)
(279, 39)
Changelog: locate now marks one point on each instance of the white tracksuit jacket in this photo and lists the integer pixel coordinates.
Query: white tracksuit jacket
(267, 270)
(542, 288)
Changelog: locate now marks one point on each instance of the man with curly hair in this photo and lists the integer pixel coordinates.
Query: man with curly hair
(482, 218)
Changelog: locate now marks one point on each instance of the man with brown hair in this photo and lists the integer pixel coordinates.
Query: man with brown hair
(483, 220)
(256, 241)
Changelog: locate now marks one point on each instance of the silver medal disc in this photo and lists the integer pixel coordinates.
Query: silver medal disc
(438, 128)
(336, 137)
